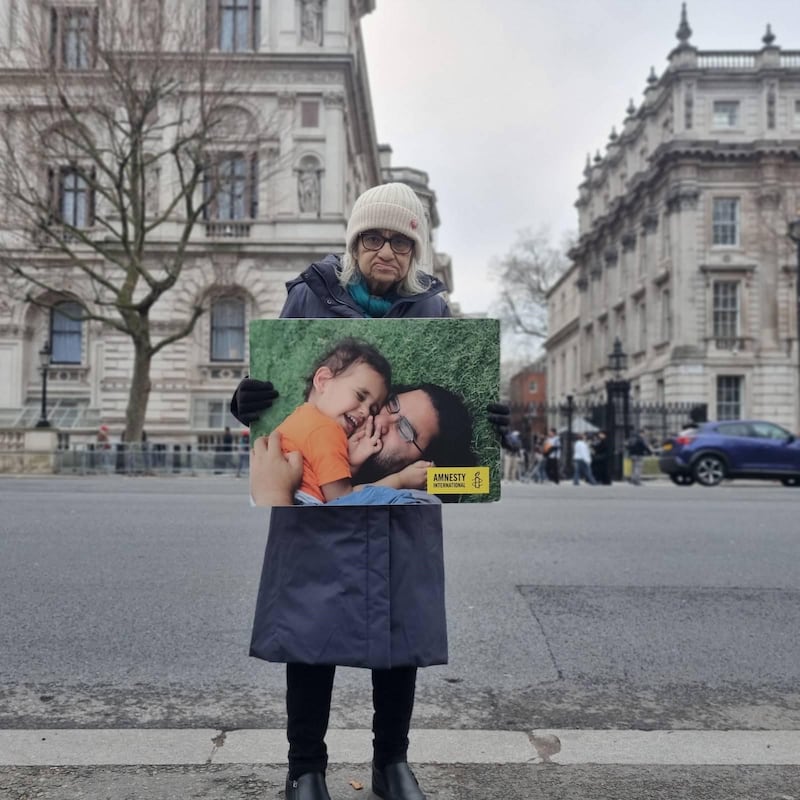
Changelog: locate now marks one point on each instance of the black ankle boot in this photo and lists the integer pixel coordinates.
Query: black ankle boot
(310, 786)
(396, 782)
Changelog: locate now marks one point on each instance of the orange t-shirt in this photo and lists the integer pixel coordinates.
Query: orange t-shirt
(323, 443)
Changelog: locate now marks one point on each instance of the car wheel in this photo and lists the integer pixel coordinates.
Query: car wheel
(709, 470)
(790, 481)
(681, 478)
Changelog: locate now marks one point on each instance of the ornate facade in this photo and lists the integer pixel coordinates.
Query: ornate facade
(300, 71)
(683, 251)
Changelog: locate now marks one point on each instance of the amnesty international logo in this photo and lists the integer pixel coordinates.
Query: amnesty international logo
(458, 480)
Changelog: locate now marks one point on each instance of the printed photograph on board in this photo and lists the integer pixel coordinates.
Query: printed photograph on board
(383, 411)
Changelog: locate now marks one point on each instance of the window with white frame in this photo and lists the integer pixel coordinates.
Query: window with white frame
(72, 196)
(309, 114)
(623, 270)
(212, 413)
(227, 329)
(666, 315)
(726, 114)
(729, 396)
(230, 187)
(642, 312)
(533, 387)
(725, 312)
(622, 329)
(603, 345)
(642, 255)
(234, 25)
(73, 36)
(725, 221)
(66, 333)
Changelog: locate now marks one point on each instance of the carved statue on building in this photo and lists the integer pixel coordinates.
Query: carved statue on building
(308, 190)
(311, 21)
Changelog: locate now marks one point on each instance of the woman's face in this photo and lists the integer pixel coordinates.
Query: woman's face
(383, 268)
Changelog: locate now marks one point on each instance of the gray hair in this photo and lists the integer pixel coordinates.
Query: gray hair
(415, 281)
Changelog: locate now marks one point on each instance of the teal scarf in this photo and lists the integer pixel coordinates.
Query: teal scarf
(370, 304)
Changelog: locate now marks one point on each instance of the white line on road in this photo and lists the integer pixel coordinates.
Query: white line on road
(144, 746)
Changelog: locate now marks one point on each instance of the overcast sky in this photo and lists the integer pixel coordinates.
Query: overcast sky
(499, 102)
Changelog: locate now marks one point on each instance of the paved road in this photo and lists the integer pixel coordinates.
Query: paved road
(126, 603)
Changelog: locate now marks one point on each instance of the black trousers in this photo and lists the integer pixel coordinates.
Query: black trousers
(308, 705)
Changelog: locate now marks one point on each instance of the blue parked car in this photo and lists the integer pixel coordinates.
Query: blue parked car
(714, 451)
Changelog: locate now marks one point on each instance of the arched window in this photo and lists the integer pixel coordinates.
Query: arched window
(227, 329)
(66, 333)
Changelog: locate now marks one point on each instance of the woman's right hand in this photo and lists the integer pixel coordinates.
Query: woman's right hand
(251, 399)
(274, 477)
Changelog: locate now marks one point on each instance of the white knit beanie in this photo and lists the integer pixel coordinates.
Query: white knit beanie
(392, 207)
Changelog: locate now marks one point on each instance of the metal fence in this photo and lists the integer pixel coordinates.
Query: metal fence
(616, 415)
(153, 459)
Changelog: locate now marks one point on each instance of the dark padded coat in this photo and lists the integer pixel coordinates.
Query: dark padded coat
(317, 293)
(358, 586)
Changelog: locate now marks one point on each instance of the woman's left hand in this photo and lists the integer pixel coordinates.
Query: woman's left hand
(274, 477)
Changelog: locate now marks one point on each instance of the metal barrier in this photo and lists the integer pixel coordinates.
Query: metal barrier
(152, 459)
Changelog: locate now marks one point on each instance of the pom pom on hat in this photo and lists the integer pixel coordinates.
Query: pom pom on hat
(393, 207)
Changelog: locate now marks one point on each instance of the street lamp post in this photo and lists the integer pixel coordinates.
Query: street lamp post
(568, 447)
(794, 235)
(44, 363)
(617, 408)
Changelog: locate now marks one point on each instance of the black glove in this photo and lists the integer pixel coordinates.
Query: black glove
(499, 416)
(251, 399)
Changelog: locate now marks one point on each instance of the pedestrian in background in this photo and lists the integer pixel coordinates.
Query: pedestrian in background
(600, 456)
(512, 447)
(552, 455)
(103, 449)
(582, 461)
(538, 474)
(637, 450)
(243, 464)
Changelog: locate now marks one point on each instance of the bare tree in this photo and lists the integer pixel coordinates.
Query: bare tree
(526, 274)
(108, 166)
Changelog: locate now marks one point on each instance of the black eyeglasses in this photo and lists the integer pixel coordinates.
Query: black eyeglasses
(404, 427)
(401, 245)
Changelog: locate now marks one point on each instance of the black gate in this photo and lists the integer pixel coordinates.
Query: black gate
(616, 415)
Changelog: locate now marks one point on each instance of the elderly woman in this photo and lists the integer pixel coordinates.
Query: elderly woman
(380, 275)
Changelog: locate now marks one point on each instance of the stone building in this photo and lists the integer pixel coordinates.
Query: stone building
(296, 147)
(683, 251)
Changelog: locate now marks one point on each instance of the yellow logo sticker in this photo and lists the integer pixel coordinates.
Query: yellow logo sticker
(458, 480)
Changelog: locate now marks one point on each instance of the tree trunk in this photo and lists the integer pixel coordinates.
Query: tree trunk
(139, 393)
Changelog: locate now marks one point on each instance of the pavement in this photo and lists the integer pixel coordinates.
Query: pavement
(160, 764)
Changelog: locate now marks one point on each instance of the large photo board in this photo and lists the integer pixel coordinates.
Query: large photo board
(401, 402)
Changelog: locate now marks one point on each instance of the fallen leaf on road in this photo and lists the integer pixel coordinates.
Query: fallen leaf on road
(357, 785)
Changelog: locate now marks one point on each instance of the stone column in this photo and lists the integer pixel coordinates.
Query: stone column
(334, 178)
(284, 194)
